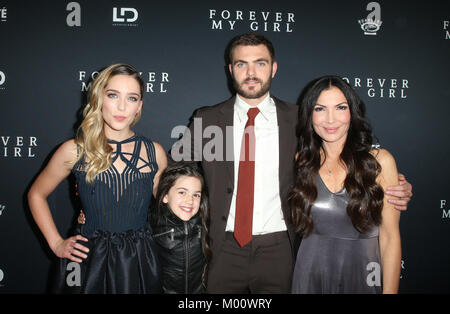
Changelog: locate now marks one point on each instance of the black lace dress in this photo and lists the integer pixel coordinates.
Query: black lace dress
(122, 257)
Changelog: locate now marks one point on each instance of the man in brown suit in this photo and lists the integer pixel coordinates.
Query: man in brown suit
(249, 170)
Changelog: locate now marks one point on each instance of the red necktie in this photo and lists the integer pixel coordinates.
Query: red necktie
(246, 182)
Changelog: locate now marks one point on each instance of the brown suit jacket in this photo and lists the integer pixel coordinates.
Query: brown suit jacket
(219, 175)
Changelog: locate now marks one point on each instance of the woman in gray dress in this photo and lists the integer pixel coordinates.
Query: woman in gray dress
(351, 238)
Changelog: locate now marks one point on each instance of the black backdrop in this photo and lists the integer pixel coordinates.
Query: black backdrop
(50, 49)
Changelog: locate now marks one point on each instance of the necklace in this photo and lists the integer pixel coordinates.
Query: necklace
(329, 171)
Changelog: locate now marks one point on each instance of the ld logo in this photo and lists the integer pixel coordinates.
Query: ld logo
(123, 14)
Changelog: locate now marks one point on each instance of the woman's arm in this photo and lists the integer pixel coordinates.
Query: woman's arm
(57, 170)
(161, 160)
(389, 231)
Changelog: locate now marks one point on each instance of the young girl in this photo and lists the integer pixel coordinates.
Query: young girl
(179, 228)
(116, 171)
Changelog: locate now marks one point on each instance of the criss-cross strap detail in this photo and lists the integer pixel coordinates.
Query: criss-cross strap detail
(119, 200)
(132, 160)
(120, 180)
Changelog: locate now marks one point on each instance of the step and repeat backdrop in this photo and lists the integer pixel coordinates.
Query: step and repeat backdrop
(394, 53)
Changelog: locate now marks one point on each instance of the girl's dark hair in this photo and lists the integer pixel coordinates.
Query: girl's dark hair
(167, 180)
(366, 196)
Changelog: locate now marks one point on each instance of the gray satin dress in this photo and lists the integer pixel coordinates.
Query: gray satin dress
(335, 257)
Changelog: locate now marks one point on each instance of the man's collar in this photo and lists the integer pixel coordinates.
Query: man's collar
(266, 107)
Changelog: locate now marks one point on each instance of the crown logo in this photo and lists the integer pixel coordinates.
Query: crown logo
(369, 26)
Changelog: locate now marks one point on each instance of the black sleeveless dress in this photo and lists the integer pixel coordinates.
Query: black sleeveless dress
(122, 255)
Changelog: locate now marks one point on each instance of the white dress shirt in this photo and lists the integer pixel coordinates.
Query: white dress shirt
(267, 213)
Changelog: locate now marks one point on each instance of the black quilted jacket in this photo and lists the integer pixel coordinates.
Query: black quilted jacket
(180, 249)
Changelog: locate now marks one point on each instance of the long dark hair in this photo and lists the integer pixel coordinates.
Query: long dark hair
(366, 196)
(167, 180)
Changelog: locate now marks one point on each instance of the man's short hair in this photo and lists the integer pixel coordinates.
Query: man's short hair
(250, 39)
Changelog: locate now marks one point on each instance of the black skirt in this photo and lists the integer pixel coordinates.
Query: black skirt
(117, 263)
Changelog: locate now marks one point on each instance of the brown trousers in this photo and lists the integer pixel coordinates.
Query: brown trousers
(264, 265)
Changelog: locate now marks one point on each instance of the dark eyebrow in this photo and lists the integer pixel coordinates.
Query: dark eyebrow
(344, 102)
(257, 60)
(182, 188)
(239, 61)
(115, 90)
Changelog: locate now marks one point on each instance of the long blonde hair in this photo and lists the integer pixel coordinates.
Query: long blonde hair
(91, 140)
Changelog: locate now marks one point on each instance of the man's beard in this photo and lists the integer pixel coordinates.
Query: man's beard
(265, 87)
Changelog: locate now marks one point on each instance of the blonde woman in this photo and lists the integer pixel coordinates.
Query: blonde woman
(117, 171)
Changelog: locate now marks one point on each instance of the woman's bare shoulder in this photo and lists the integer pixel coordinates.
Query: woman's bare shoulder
(383, 156)
(67, 151)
